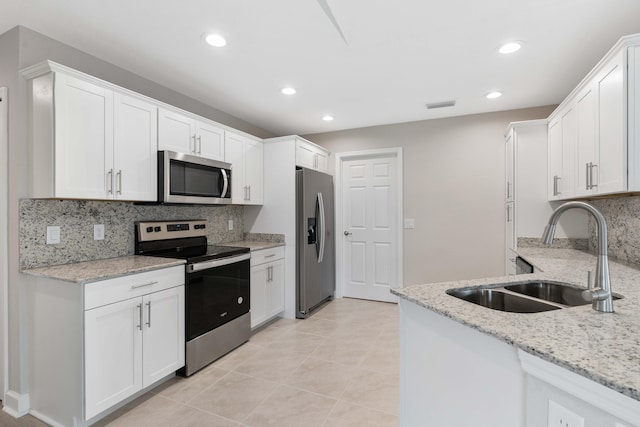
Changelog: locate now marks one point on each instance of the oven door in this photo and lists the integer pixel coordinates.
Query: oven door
(216, 292)
(189, 179)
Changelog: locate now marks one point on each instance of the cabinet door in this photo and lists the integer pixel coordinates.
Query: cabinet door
(554, 178)
(305, 155)
(322, 162)
(253, 158)
(275, 288)
(176, 132)
(135, 138)
(83, 138)
(258, 294)
(510, 170)
(210, 141)
(612, 147)
(586, 121)
(112, 355)
(510, 230)
(163, 337)
(569, 137)
(234, 154)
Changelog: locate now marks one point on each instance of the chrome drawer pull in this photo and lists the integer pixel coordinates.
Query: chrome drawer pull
(270, 256)
(143, 285)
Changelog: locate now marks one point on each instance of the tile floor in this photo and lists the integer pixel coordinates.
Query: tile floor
(340, 367)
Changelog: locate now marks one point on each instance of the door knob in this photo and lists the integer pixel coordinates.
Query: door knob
(346, 233)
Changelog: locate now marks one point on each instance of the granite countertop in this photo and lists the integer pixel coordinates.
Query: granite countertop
(92, 271)
(254, 246)
(604, 347)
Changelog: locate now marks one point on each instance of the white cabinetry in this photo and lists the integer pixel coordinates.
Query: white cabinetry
(596, 127)
(312, 156)
(97, 344)
(185, 134)
(90, 141)
(267, 284)
(246, 158)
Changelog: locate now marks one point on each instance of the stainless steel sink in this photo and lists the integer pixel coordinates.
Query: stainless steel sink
(497, 299)
(524, 297)
(549, 291)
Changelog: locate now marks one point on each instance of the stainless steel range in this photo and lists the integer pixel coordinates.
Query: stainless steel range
(217, 287)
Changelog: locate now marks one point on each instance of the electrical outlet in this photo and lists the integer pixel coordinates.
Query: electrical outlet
(98, 232)
(559, 416)
(230, 224)
(409, 223)
(53, 235)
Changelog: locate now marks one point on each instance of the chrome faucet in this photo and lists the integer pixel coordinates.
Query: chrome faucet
(600, 293)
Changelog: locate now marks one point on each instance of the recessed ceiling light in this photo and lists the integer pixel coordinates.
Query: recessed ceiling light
(215, 40)
(327, 118)
(510, 47)
(494, 95)
(288, 91)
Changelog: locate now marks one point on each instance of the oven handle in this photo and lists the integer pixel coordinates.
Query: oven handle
(192, 268)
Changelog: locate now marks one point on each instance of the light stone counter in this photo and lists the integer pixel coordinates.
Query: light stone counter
(92, 271)
(604, 347)
(254, 246)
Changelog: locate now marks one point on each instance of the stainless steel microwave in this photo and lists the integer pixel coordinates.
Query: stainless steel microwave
(183, 178)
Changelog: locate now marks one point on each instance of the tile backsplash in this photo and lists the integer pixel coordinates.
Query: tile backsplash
(76, 219)
(623, 221)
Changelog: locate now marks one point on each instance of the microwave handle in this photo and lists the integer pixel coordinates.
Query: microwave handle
(225, 186)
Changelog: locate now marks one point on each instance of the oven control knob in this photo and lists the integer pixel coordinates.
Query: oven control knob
(149, 229)
(157, 229)
(203, 226)
(240, 299)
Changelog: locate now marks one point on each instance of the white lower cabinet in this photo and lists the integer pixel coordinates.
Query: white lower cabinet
(267, 284)
(95, 345)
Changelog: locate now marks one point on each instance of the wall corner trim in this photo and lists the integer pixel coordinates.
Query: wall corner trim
(16, 404)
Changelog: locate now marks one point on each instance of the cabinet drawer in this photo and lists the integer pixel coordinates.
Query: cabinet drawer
(108, 291)
(267, 255)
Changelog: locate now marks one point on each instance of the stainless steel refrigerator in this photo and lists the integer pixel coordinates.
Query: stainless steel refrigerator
(315, 241)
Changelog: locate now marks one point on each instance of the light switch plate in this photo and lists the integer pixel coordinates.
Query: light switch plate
(230, 224)
(53, 234)
(98, 232)
(559, 416)
(409, 223)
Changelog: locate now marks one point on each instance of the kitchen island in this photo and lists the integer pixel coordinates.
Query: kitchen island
(463, 364)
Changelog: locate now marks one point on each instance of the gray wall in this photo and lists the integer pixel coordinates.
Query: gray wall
(454, 171)
(19, 48)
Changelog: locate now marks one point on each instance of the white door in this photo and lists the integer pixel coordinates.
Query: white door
(135, 136)
(369, 239)
(113, 354)
(163, 337)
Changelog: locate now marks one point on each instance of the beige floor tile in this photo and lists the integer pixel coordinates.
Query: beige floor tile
(152, 412)
(345, 414)
(382, 359)
(289, 407)
(293, 341)
(191, 417)
(231, 360)
(317, 326)
(7, 420)
(321, 376)
(375, 391)
(183, 389)
(341, 351)
(271, 364)
(234, 396)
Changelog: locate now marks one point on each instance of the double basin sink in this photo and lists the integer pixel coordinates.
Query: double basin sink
(523, 297)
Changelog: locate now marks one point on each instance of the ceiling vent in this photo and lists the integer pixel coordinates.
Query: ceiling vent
(440, 104)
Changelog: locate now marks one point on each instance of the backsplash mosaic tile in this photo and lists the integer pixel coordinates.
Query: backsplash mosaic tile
(76, 219)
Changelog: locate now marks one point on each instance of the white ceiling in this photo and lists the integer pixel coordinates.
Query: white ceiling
(399, 54)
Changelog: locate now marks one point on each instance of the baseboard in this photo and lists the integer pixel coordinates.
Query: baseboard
(16, 404)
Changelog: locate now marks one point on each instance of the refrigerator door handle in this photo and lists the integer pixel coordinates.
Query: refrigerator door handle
(321, 233)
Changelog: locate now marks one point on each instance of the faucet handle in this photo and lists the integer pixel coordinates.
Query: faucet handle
(588, 294)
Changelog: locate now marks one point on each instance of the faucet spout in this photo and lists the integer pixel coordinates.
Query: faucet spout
(600, 295)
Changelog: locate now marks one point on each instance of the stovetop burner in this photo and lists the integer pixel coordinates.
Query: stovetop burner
(180, 239)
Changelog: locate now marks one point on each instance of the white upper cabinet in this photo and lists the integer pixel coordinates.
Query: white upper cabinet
(185, 134)
(312, 156)
(598, 123)
(510, 175)
(91, 142)
(246, 158)
(554, 189)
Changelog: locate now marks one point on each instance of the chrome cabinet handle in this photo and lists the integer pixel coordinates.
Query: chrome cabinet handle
(270, 256)
(148, 314)
(556, 179)
(591, 166)
(110, 181)
(119, 181)
(508, 213)
(346, 233)
(194, 149)
(249, 192)
(587, 174)
(199, 144)
(153, 282)
(139, 307)
(508, 189)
